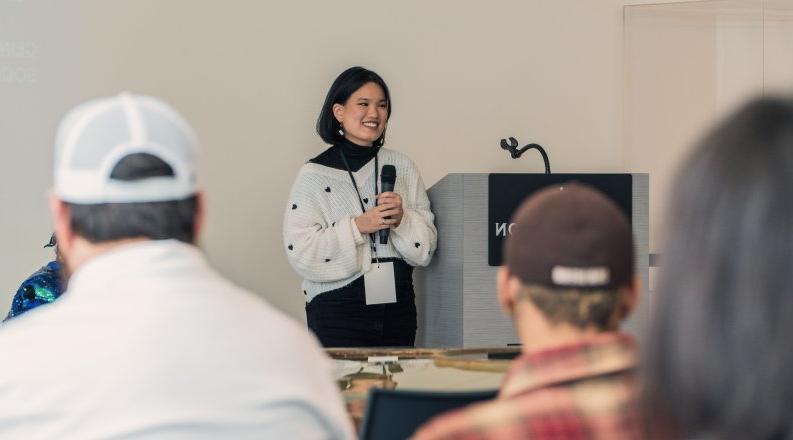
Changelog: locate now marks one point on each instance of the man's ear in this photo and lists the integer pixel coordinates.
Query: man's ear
(506, 298)
(632, 296)
(200, 215)
(629, 299)
(61, 224)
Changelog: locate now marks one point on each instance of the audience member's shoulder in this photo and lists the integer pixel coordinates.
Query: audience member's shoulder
(270, 319)
(32, 328)
(543, 411)
(283, 337)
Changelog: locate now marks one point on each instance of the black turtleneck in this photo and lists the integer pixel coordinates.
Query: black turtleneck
(357, 156)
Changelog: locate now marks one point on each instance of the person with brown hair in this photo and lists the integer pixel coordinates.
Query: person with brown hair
(567, 283)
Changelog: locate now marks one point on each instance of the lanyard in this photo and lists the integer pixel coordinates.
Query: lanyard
(360, 199)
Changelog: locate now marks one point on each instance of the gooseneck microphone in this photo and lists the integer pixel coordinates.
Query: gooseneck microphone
(387, 180)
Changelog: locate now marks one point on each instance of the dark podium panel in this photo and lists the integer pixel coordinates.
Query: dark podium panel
(456, 293)
(506, 192)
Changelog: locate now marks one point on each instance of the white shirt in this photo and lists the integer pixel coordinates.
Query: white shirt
(150, 342)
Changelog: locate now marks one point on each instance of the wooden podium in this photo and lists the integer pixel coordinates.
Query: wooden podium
(456, 293)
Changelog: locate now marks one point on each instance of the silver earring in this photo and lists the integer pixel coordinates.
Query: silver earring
(341, 132)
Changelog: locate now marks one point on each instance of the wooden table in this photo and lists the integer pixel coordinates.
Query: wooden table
(357, 370)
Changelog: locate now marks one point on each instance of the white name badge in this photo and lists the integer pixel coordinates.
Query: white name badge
(379, 284)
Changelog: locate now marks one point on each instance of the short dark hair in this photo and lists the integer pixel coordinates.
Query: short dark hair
(345, 85)
(173, 219)
(718, 357)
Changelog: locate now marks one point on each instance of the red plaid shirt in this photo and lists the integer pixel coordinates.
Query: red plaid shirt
(580, 391)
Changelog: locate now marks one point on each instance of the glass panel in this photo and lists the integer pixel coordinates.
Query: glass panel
(686, 65)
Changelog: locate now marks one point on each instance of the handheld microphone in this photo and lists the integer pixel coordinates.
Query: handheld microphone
(387, 180)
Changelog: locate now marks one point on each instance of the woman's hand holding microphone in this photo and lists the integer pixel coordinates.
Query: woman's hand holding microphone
(389, 204)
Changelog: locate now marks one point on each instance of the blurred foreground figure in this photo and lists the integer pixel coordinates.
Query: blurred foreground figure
(568, 282)
(149, 341)
(719, 359)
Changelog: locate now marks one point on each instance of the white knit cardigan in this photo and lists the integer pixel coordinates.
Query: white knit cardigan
(323, 243)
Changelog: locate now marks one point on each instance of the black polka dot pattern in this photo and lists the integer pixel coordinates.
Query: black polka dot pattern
(334, 224)
(294, 206)
(417, 245)
(290, 247)
(327, 189)
(366, 200)
(327, 260)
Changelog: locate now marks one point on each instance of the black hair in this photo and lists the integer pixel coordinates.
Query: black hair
(718, 357)
(154, 220)
(345, 85)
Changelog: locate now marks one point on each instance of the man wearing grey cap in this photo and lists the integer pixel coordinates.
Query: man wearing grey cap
(567, 283)
(149, 341)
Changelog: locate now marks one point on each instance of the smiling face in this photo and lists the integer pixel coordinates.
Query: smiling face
(364, 116)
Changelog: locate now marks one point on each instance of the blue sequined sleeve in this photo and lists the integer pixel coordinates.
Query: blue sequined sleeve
(43, 287)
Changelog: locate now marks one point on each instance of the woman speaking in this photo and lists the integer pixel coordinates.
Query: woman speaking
(357, 280)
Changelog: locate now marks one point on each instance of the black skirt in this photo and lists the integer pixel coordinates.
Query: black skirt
(341, 318)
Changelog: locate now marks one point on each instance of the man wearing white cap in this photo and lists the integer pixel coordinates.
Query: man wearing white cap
(149, 341)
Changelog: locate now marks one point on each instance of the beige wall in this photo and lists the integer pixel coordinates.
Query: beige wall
(688, 64)
(251, 76)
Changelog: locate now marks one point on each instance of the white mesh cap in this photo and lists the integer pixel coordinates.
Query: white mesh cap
(93, 137)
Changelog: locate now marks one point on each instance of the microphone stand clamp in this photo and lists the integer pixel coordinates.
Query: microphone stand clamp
(515, 152)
